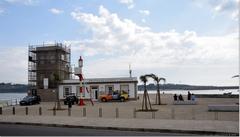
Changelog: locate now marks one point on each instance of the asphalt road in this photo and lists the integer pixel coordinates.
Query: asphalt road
(29, 130)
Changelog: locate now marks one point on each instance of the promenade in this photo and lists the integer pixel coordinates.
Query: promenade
(194, 119)
(202, 127)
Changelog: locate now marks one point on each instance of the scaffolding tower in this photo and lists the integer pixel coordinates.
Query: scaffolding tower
(46, 60)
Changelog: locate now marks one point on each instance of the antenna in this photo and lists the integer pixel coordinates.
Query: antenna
(130, 71)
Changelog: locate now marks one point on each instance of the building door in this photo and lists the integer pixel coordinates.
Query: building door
(94, 90)
(96, 94)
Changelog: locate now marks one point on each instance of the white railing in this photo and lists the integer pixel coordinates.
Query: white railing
(9, 102)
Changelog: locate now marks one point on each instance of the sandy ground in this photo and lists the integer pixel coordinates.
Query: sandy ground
(126, 109)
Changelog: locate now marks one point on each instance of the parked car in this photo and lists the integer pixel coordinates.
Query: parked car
(73, 99)
(30, 100)
(114, 96)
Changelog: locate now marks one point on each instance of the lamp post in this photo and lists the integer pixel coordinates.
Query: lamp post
(78, 72)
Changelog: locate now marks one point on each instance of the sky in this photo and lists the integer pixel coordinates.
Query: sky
(185, 41)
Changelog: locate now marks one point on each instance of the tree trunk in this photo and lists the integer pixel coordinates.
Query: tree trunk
(158, 92)
(58, 100)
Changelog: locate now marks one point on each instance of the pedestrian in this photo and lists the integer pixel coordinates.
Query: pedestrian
(175, 97)
(189, 95)
(193, 98)
(180, 97)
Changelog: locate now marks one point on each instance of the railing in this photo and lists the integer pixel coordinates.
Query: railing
(9, 102)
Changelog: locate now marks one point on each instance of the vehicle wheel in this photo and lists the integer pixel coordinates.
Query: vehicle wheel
(122, 99)
(104, 100)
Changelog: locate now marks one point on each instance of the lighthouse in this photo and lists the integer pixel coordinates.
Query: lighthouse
(78, 72)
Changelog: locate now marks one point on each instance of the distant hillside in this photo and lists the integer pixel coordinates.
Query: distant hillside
(12, 88)
(184, 87)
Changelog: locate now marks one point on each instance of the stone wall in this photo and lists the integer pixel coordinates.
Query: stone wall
(47, 95)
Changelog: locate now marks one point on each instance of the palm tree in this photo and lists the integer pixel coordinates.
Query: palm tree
(235, 76)
(57, 80)
(157, 80)
(146, 99)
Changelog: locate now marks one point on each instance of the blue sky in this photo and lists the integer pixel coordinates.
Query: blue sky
(187, 41)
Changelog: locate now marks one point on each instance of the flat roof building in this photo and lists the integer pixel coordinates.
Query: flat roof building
(95, 87)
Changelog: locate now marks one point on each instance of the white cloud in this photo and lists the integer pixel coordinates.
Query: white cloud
(14, 65)
(144, 12)
(55, 11)
(25, 2)
(227, 7)
(130, 3)
(120, 41)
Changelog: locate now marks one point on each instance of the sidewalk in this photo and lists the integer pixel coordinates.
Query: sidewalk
(207, 127)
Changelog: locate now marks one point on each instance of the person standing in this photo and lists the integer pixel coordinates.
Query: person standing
(189, 95)
(180, 97)
(193, 98)
(175, 97)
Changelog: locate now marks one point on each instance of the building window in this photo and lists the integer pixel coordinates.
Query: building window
(67, 91)
(109, 89)
(124, 88)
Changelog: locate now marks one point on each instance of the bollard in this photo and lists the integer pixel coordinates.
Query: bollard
(193, 114)
(0, 110)
(134, 113)
(117, 113)
(173, 113)
(69, 111)
(13, 111)
(26, 110)
(215, 115)
(54, 111)
(153, 115)
(100, 112)
(84, 112)
(40, 111)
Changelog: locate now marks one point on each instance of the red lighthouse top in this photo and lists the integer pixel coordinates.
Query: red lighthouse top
(80, 59)
(80, 62)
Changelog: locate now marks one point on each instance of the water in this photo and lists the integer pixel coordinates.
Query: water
(11, 98)
(184, 92)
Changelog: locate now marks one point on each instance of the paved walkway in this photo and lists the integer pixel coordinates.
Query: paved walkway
(158, 125)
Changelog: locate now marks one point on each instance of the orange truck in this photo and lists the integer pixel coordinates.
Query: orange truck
(114, 96)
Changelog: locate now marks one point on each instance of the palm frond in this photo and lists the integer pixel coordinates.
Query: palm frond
(143, 78)
(235, 76)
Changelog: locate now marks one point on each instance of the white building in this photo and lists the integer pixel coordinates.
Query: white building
(97, 86)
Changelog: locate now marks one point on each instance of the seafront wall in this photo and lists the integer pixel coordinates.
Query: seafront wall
(215, 96)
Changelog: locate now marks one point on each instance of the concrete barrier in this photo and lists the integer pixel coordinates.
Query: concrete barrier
(224, 108)
(187, 102)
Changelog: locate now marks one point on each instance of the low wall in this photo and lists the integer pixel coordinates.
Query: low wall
(215, 96)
